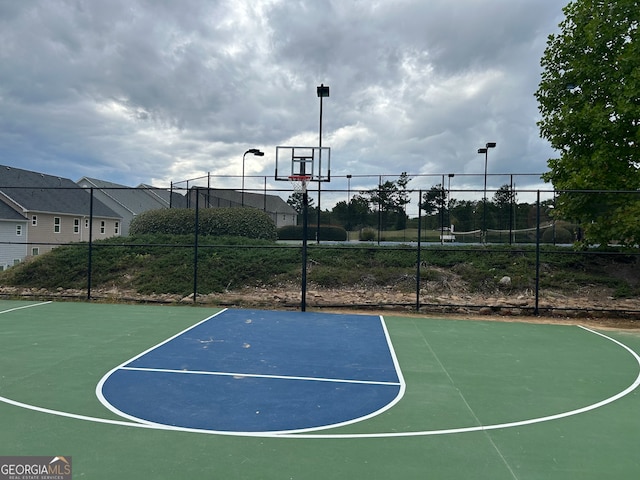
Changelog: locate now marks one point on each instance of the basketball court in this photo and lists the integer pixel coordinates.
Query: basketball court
(130, 391)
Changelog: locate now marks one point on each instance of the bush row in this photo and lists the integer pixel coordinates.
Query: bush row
(327, 232)
(240, 222)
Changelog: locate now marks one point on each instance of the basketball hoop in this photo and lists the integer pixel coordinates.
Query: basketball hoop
(299, 182)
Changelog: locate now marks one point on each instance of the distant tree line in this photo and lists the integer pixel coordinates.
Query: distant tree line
(384, 207)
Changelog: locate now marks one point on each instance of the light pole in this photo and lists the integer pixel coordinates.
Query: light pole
(322, 91)
(255, 152)
(348, 204)
(485, 150)
(443, 200)
(451, 175)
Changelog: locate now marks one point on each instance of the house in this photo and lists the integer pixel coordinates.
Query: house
(57, 210)
(128, 202)
(13, 231)
(168, 197)
(280, 211)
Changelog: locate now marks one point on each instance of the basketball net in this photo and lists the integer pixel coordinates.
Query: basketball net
(299, 182)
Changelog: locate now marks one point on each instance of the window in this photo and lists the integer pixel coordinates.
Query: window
(117, 228)
(76, 225)
(86, 223)
(34, 220)
(18, 230)
(35, 251)
(56, 224)
(16, 261)
(102, 226)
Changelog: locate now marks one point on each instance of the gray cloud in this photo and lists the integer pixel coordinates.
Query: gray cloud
(153, 91)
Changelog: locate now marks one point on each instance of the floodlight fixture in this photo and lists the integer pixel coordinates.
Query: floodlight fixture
(323, 90)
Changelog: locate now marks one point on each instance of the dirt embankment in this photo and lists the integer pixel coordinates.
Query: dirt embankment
(450, 298)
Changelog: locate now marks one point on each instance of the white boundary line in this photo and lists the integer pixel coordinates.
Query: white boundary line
(532, 421)
(483, 428)
(258, 375)
(25, 306)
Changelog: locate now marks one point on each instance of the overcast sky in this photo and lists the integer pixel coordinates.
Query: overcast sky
(155, 91)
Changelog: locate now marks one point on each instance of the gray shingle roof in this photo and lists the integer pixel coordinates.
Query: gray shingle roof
(257, 200)
(8, 213)
(134, 200)
(37, 192)
(174, 199)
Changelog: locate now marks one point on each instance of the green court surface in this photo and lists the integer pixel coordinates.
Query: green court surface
(483, 400)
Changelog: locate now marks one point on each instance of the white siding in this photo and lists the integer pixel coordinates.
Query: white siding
(12, 246)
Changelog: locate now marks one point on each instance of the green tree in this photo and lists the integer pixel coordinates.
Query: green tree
(295, 200)
(356, 213)
(434, 205)
(589, 98)
(434, 200)
(504, 200)
(391, 197)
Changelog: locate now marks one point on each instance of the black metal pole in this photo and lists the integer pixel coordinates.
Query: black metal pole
(535, 310)
(511, 207)
(379, 208)
(418, 256)
(442, 213)
(195, 247)
(305, 224)
(484, 202)
(90, 263)
(242, 194)
(319, 183)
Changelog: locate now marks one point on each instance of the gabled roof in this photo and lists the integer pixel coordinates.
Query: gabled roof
(272, 203)
(168, 197)
(37, 192)
(8, 213)
(135, 200)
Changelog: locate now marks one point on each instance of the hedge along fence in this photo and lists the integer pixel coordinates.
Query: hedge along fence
(232, 222)
(327, 232)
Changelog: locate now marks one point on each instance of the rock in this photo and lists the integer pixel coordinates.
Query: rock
(505, 281)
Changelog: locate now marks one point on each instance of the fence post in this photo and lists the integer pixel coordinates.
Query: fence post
(305, 226)
(195, 247)
(418, 256)
(535, 310)
(90, 260)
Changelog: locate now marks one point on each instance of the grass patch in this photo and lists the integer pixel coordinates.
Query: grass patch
(165, 264)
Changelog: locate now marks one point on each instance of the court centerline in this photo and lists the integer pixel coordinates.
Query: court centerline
(259, 375)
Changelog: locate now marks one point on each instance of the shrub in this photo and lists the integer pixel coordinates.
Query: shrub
(232, 222)
(367, 235)
(290, 232)
(560, 235)
(327, 232)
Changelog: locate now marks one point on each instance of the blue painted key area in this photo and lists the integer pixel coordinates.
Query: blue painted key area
(261, 371)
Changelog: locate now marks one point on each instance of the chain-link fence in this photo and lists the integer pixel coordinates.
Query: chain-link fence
(436, 234)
